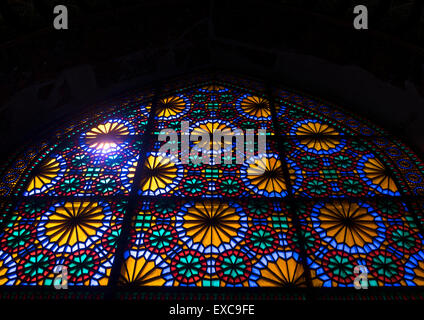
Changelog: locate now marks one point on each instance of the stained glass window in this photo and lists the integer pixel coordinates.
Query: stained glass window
(330, 192)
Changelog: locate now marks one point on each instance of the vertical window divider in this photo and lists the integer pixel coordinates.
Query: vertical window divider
(133, 200)
(291, 201)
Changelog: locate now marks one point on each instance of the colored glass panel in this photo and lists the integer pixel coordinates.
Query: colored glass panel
(379, 235)
(353, 197)
(211, 243)
(42, 235)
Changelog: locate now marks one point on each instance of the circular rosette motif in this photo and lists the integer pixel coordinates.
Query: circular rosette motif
(45, 175)
(309, 162)
(316, 137)
(339, 266)
(160, 239)
(264, 175)
(377, 176)
(36, 266)
(353, 186)
(107, 137)
(254, 107)
(70, 185)
(311, 240)
(189, 267)
(194, 186)
(348, 226)
(385, 267)
(172, 107)
(82, 266)
(316, 187)
(229, 186)
(344, 162)
(403, 239)
(70, 226)
(262, 239)
(17, 238)
(79, 160)
(233, 267)
(162, 174)
(212, 225)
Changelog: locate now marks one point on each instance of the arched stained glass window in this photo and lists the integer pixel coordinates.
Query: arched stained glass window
(100, 197)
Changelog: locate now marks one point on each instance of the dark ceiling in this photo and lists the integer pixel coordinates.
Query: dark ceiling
(395, 17)
(105, 29)
(46, 74)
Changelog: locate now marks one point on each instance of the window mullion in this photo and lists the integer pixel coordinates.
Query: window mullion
(291, 207)
(133, 200)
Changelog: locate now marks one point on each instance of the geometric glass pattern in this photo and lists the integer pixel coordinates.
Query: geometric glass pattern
(100, 197)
